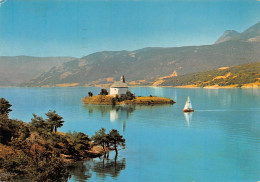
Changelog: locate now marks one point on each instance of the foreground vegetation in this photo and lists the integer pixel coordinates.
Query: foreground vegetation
(37, 151)
(237, 76)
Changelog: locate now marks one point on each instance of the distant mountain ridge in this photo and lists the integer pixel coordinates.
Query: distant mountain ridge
(252, 34)
(15, 70)
(147, 65)
(228, 35)
(144, 66)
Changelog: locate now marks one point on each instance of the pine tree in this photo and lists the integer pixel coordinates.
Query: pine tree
(38, 123)
(54, 121)
(100, 137)
(116, 139)
(4, 107)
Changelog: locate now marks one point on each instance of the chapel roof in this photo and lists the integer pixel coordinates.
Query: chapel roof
(119, 84)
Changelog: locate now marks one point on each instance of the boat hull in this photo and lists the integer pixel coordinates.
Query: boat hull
(188, 110)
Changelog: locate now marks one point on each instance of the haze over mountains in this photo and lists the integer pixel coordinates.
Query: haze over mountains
(18, 69)
(145, 66)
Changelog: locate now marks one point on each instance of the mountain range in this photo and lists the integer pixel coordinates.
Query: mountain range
(18, 69)
(150, 66)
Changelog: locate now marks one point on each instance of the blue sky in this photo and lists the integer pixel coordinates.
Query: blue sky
(80, 27)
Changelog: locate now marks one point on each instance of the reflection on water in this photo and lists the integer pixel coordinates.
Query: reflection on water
(102, 167)
(188, 117)
(108, 167)
(116, 112)
(80, 171)
(113, 115)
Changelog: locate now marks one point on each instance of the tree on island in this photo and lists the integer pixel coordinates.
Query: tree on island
(103, 91)
(90, 94)
(116, 139)
(4, 107)
(54, 121)
(130, 95)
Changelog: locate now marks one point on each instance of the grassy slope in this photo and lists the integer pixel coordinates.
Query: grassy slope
(236, 75)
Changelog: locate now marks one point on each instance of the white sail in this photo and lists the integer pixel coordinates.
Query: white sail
(188, 104)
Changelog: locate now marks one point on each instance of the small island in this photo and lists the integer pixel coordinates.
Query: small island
(120, 95)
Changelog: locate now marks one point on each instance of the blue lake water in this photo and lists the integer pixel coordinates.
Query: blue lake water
(220, 141)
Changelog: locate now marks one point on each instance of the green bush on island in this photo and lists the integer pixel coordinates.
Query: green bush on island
(128, 96)
(103, 92)
(90, 94)
(37, 151)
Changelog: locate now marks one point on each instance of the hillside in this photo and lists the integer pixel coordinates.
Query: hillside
(247, 75)
(18, 69)
(144, 66)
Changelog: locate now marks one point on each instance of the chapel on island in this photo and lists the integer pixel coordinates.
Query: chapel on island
(119, 88)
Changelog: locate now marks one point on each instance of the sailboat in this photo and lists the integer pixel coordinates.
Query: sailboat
(188, 106)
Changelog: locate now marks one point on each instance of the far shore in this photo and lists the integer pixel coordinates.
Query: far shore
(249, 85)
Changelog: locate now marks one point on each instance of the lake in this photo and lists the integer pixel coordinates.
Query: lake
(220, 141)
